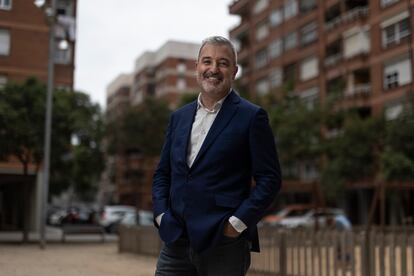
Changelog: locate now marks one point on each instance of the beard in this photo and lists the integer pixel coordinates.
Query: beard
(213, 83)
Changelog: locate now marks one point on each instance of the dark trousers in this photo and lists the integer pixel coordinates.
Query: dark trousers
(230, 258)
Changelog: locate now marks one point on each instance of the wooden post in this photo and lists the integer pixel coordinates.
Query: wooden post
(283, 254)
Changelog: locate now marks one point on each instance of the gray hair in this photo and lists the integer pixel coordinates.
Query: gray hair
(219, 40)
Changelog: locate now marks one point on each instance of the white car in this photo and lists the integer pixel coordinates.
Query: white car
(111, 216)
(312, 218)
(144, 218)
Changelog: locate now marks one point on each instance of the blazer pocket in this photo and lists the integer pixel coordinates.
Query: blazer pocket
(227, 201)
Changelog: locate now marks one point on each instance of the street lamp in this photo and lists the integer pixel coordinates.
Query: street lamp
(50, 15)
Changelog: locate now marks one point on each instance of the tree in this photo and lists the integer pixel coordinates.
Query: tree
(297, 129)
(22, 119)
(187, 98)
(353, 153)
(397, 160)
(140, 128)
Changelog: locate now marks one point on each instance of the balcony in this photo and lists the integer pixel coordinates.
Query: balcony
(238, 7)
(241, 30)
(360, 90)
(332, 60)
(350, 16)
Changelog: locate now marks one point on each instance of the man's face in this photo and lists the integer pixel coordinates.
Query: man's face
(216, 70)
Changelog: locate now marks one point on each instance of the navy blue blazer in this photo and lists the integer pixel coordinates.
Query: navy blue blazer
(197, 201)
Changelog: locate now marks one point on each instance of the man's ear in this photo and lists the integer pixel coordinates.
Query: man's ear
(236, 69)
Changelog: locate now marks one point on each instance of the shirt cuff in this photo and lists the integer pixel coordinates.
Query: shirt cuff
(237, 224)
(158, 219)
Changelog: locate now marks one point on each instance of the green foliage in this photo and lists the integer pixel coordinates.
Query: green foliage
(141, 128)
(187, 98)
(22, 120)
(397, 166)
(22, 116)
(353, 154)
(84, 160)
(297, 129)
(397, 161)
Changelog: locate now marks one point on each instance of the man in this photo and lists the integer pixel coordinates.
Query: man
(204, 205)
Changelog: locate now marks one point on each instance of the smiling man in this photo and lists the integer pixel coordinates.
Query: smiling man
(204, 203)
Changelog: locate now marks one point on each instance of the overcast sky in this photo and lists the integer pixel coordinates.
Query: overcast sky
(112, 34)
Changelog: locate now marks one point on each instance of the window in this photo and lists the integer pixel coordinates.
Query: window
(65, 7)
(290, 9)
(393, 34)
(291, 41)
(261, 58)
(262, 30)
(4, 42)
(5, 4)
(289, 72)
(3, 81)
(385, 3)
(307, 5)
(309, 68)
(310, 97)
(308, 33)
(181, 84)
(397, 72)
(63, 56)
(181, 68)
(391, 80)
(356, 41)
(262, 87)
(260, 6)
(276, 77)
(276, 17)
(275, 48)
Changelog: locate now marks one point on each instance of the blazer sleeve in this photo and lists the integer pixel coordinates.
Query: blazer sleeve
(162, 176)
(265, 170)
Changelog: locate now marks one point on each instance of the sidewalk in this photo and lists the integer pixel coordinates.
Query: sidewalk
(72, 259)
(53, 235)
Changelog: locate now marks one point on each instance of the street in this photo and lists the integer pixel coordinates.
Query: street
(72, 259)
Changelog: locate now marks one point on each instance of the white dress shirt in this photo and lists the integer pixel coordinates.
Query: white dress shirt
(203, 121)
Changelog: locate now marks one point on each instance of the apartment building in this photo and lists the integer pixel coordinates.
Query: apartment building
(24, 42)
(24, 50)
(118, 96)
(358, 52)
(166, 73)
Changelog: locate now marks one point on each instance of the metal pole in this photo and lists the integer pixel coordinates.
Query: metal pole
(48, 124)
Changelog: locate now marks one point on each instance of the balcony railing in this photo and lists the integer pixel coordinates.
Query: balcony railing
(333, 59)
(349, 16)
(236, 6)
(358, 90)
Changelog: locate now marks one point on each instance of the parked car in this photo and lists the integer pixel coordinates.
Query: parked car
(321, 217)
(72, 215)
(293, 210)
(143, 218)
(55, 218)
(111, 216)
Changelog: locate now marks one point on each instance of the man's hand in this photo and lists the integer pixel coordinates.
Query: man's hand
(229, 231)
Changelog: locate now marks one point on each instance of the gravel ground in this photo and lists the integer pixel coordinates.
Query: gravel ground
(72, 259)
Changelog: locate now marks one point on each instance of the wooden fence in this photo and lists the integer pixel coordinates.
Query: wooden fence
(388, 252)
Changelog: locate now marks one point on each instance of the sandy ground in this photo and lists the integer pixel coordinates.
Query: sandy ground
(72, 259)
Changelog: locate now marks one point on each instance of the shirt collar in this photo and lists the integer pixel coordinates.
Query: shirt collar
(216, 106)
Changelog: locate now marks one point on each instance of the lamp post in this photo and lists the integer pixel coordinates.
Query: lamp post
(50, 14)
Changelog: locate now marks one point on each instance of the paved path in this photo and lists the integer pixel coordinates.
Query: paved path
(72, 259)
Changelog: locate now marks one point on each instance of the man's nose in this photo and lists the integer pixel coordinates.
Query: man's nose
(214, 67)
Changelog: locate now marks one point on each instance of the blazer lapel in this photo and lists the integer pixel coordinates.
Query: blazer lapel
(224, 116)
(185, 129)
